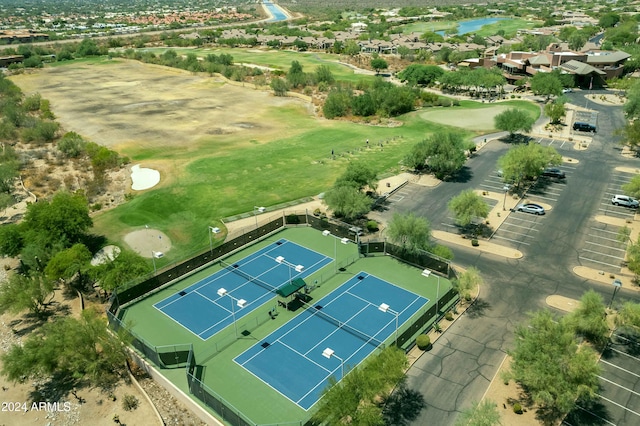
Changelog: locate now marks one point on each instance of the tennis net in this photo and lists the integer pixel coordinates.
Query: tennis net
(316, 310)
(250, 278)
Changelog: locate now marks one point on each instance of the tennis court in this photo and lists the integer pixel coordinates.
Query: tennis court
(330, 337)
(204, 309)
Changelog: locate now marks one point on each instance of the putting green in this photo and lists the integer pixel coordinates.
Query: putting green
(480, 119)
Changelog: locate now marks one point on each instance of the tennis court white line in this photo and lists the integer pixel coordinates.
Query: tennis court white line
(302, 355)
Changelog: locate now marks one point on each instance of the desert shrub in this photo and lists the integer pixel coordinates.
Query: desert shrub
(475, 242)
(448, 316)
(32, 102)
(517, 408)
(129, 402)
(423, 342)
(372, 226)
(72, 145)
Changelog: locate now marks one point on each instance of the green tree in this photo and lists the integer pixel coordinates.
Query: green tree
(527, 162)
(64, 220)
(26, 292)
(513, 120)
(74, 348)
(279, 86)
(555, 111)
(431, 37)
(422, 75)
(632, 106)
(360, 175)
(379, 64)
(444, 153)
(629, 315)
(87, 47)
(72, 145)
(468, 207)
(633, 257)
(8, 173)
(347, 201)
(410, 232)
(69, 262)
(550, 365)
(324, 74)
(355, 400)
(590, 318)
(609, 20)
(631, 134)
(337, 104)
(483, 413)
(296, 76)
(124, 268)
(351, 48)
(11, 242)
(546, 84)
(467, 282)
(632, 188)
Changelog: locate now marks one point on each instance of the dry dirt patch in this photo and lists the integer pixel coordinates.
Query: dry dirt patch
(125, 103)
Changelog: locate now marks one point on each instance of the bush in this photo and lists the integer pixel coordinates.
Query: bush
(423, 342)
(475, 242)
(372, 226)
(517, 408)
(129, 402)
(448, 316)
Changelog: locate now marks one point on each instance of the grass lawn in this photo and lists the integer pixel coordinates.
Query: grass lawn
(279, 59)
(510, 27)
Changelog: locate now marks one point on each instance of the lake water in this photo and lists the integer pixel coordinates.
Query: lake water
(474, 25)
(277, 13)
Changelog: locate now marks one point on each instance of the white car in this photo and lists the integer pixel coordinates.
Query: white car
(623, 200)
(567, 90)
(530, 208)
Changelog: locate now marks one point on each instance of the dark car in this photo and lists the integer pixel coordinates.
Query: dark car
(553, 173)
(584, 127)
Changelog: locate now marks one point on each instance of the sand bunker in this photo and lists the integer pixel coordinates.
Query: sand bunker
(143, 178)
(148, 241)
(106, 253)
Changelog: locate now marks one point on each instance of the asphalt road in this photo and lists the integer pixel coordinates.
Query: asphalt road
(459, 368)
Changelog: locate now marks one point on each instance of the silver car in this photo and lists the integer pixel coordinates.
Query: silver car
(624, 200)
(530, 208)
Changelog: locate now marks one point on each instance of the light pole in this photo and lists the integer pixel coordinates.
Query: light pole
(385, 308)
(344, 241)
(438, 296)
(504, 201)
(297, 268)
(328, 353)
(257, 210)
(240, 302)
(155, 255)
(616, 286)
(212, 230)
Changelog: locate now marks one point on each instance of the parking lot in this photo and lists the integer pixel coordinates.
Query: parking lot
(521, 229)
(403, 193)
(615, 187)
(558, 144)
(602, 250)
(618, 399)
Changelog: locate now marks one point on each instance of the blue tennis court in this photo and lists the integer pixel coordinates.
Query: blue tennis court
(330, 337)
(202, 310)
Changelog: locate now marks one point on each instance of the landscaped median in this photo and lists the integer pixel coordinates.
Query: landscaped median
(484, 246)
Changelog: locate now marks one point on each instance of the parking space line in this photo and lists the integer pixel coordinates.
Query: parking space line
(620, 386)
(624, 353)
(602, 254)
(509, 239)
(498, 188)
(619, 368)
(449, 225)
(615, 212)
(517, 233)
(604, 238)
(544, 198)
(606, 246)
(633, 342)
(605, 230)
(619, 405)
(595, 415)
(517, 219)
(597, 261)
(520, 226)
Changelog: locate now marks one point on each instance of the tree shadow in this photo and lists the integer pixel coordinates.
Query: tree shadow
(478, 308)
(516, 138)
(589, 413)
(402, 406)
(94, 242)
(55, 388)
(461, 176)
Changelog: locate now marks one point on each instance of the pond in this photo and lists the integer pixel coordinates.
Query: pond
(466, 27)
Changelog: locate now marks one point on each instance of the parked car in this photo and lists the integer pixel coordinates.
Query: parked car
(567, 90)
(554, 173)
(624, 200)
(584, 127)
(530, 208)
